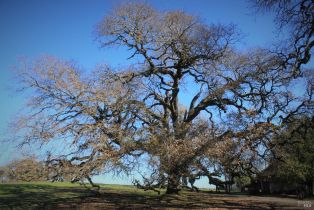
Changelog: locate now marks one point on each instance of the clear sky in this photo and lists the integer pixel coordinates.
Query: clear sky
(63, 28)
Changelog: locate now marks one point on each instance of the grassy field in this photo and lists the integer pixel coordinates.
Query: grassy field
(73, 196)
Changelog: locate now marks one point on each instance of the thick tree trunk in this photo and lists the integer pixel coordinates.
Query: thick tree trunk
(310, 187)
(173, 184)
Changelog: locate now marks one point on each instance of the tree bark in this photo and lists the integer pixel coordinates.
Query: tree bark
(173, 184)
(310, 187)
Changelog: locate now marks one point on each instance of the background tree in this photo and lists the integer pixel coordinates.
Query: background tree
(114, 120)
(25, 170)
(294, 153)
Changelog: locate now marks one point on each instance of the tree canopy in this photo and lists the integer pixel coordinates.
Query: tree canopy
(118, 120)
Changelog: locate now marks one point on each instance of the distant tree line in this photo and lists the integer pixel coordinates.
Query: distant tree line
(24, 170)
(30, 169)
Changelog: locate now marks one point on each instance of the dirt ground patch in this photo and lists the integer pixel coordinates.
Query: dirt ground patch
(188, 200)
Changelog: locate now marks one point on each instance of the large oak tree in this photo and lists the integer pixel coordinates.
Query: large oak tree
(117, 120)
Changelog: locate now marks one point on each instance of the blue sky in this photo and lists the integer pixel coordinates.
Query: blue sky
(63, 28)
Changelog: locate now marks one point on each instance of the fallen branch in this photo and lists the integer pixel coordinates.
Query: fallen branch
(145, 187)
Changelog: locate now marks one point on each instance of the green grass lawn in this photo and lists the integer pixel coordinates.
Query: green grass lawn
(39, 195)
(63, 195)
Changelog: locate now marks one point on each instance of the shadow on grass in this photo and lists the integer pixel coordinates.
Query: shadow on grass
(30, 196)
